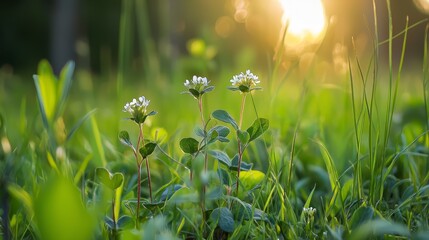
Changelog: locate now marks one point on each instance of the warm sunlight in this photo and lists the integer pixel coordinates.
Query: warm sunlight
(306, 19)
(422, 5)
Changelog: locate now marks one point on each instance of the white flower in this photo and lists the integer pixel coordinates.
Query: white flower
(309, 211)
(247, 79)
(197, 83)
(137, 106)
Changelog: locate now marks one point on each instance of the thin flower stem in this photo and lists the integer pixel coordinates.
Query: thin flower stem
(138, 194)
(243, 101)
(240, 149)
(203, 122)
(139, 164)
(140, 137)
(240, 156)
(200, 106)
(149, 182)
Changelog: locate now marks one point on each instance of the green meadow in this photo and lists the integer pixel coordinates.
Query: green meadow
(217, 144)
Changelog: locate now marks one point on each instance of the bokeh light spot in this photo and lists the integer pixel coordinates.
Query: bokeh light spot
(224, 26)
(422, 5)
(306, 21)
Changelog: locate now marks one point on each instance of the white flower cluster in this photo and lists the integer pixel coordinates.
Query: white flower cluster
(197, 83)
(137, 106)
(309, 211)
(247, 79)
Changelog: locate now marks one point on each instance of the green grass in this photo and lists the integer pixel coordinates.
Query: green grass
(353, 146)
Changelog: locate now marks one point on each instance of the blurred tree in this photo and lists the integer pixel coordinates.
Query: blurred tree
(24, 32)
(63, 33)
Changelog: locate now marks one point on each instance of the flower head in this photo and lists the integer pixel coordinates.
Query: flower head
(198, 86)
(245, 82)
(309, 211)
(197, 83)
(309, 214)
(138, 108)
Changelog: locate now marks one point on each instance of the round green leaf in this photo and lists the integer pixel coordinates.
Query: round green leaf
(103, 175)
(243, 88)
(360, 216)
(112, 181)
(221, 156)
(189, 145)
(124, 137)
(224, 116)
(213, 136)
(194, 92)
(243, 136)
(207, 89)
(151, 113)
(109, 223)
(258, 127)
(117, 180)
(221, 131)
(233, 88)
(379, 228)
(249, 179)
(243, 166)
(125, 222)
(169, 191)
(147, 149)
(60, 212)
(224, 219)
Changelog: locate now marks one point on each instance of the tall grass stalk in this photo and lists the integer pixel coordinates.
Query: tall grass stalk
(378, 130)
(393, 92)
(425, 81)
(135, 18)
(295, 134)
(373, 147)
(125, 44)
(146, 44)
(358, 169)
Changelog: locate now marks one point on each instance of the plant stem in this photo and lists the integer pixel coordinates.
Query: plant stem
(203, 194)
(138, 194)
(139, 166)
(243, 101)
(200, 106)
(114, 231)
(113, 209)
(149, 182)
(141, 136)
(240, 150)
(240, 156)
(203, 122)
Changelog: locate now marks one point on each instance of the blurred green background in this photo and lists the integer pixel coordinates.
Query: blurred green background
(89, 31)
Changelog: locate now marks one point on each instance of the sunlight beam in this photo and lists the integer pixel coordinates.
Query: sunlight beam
(306, 21)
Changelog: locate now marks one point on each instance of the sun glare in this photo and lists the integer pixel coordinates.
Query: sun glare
(306, 20)
(422, 5)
